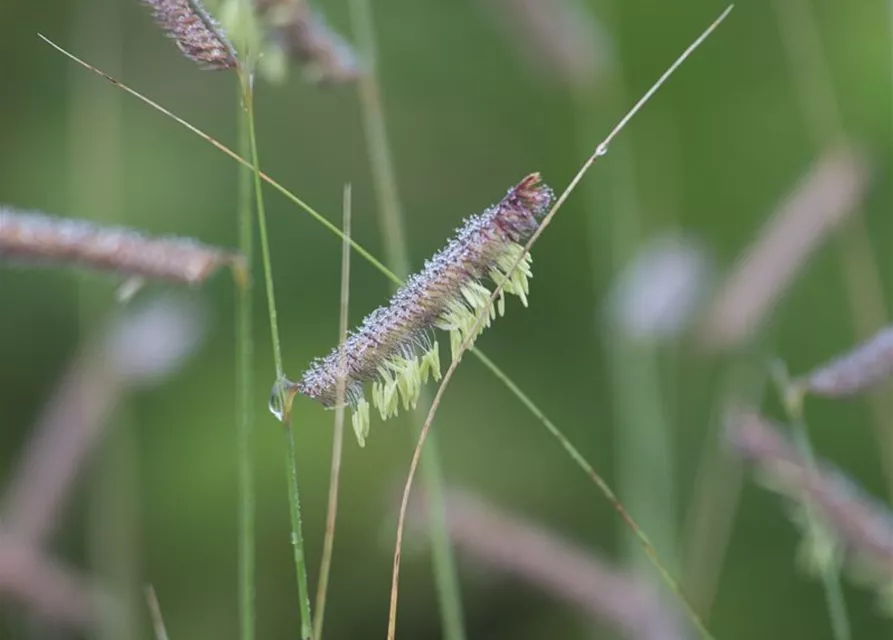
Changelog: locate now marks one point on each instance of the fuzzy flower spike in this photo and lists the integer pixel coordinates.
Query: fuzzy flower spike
(395, 348)
(197, 34)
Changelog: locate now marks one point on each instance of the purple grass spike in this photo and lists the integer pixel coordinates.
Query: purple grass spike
(861, 369)
(394, 347)
(35, 238)
(197, 34)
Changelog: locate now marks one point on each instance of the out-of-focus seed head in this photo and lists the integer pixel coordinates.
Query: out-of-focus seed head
(36, 238)
(196, 33)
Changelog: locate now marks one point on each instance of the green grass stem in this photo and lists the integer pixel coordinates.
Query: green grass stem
(245, 396)
(297, 537)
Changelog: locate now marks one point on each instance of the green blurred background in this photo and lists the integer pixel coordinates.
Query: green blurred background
(468, 116)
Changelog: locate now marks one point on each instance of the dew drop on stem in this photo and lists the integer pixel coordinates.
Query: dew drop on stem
(281, 397)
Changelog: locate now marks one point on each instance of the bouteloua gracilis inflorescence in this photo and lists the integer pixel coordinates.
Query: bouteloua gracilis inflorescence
(35, 238)
(196, 33)
(395, 347)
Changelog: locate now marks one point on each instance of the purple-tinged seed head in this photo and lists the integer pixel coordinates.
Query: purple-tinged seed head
(405, 324)
(195, 32)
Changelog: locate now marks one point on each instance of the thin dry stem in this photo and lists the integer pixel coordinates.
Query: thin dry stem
(392, 230)
(229, 152)
(338, 434)
(600, 150)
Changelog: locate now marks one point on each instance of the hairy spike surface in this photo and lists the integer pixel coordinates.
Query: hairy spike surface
(197, 34)
(34, 237)
(394, 347)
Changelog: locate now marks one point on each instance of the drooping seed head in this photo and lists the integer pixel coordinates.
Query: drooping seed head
(196, 33)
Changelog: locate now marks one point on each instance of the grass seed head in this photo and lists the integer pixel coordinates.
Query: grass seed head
(196, 33)
(38, 238)
(395, 348)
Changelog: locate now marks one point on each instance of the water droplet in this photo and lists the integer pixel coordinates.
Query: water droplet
(281, 397)
(128, 289)
(601, 150)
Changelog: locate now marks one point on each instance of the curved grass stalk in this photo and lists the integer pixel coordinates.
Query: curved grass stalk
(483, 314)
(644, 447)
(392, 229)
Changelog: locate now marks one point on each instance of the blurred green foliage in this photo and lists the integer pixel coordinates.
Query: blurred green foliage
(714, 152)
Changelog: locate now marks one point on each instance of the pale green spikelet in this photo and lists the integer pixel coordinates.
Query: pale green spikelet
(360, 421)
(430, 364)
(517, 281)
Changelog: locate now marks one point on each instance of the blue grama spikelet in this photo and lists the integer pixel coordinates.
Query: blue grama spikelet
(196, 33)
(395, 348)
